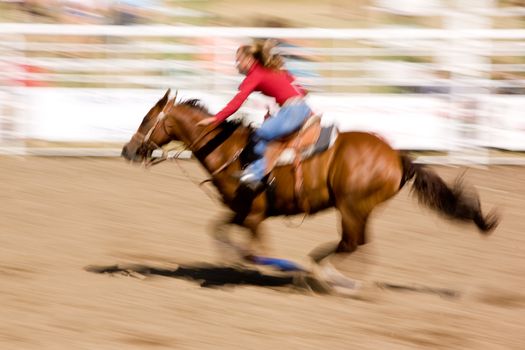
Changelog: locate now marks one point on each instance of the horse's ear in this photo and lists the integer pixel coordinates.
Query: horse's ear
(169, 105)
(165, 98)
(162, 102)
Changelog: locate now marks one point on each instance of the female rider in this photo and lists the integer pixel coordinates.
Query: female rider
(264, 72)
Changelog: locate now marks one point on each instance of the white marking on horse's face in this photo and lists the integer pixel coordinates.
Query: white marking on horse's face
(161, 115)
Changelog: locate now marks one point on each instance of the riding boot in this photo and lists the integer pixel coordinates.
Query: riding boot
(251, 154)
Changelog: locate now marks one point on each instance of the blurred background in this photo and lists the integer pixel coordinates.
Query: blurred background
(443, 77)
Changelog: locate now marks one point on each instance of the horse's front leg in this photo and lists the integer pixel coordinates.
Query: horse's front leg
(257, 242)
(228, 248)
(250, 212)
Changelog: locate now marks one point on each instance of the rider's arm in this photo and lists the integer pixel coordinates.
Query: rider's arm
(245, 89)
(295, 84)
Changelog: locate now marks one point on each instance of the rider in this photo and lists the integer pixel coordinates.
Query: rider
(264, 72)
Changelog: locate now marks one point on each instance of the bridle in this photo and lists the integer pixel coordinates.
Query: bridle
(149, 144)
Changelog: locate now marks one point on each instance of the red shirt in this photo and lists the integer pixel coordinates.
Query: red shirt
(273, 83)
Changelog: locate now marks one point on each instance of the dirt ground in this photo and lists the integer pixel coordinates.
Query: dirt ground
(61, 215)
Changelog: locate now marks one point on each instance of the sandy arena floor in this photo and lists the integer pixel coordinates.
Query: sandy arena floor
(60, 215)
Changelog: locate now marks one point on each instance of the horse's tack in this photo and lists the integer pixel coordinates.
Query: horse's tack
(303, 138)
(297, 141)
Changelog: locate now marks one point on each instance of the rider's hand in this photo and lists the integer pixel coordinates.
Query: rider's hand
(268, 114)
(206, 121)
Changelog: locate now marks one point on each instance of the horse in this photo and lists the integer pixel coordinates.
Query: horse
(356, 174)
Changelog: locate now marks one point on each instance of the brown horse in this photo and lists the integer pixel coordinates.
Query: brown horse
(359, 172)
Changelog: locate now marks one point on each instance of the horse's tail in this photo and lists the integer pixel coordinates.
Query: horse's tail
(453, 202)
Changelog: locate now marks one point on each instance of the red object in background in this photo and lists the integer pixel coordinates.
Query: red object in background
(30, 81)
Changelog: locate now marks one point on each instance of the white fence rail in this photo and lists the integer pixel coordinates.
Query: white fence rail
(400, 83)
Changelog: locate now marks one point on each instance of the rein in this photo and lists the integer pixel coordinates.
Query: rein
(216, 172)
(165, 156)
(228, 163)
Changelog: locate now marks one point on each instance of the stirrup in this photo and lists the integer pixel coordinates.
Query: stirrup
(249, 181)
(247, 178)
(255, 186)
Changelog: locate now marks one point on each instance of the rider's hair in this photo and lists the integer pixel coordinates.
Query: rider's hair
(264, 52)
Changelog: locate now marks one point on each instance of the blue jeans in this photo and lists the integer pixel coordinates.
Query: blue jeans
(287, 120)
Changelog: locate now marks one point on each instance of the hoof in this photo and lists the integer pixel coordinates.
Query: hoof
(339, 283)
(306, 281)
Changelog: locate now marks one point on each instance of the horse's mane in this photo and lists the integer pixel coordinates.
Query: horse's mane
(195, 103)
(223, 131)
(198, 104)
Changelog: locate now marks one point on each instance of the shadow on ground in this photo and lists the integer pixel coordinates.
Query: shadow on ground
(207, 275)
(204, 275)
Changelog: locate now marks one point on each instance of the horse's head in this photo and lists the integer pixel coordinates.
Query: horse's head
(169, 121)
(151, 133)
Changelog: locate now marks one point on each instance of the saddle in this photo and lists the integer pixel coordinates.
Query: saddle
(311, 139)
(308, 141)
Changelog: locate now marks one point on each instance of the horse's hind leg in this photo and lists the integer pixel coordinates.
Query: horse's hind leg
(354, 211)
(353, 225)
